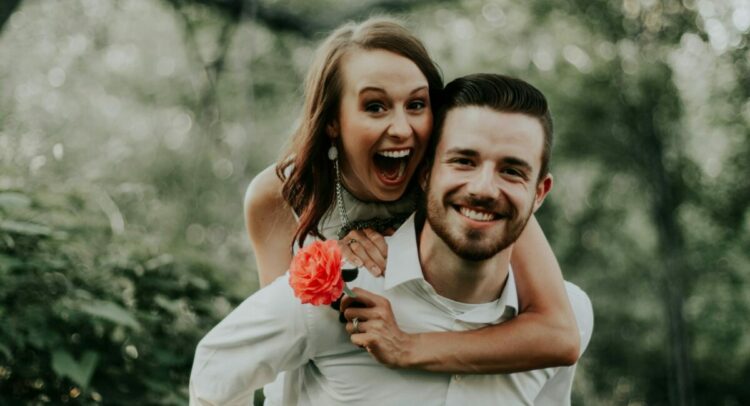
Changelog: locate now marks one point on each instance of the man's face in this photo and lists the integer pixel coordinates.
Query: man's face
(483, 187)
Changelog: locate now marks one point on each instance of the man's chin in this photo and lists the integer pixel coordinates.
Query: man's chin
(476, 246)
(474, 254)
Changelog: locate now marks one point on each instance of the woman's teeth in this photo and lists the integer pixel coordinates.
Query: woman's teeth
(476, 215)
(395, 154)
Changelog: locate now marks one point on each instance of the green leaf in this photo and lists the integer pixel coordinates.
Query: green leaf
(79, 372)
(8, 262)
(6, 351)
(26, 228)
(112, 312)
(172, 306)
(14, 200)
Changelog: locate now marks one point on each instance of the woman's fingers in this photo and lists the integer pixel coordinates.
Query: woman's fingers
(361, 313)
(360, 327)
(389, 231)
(378, 241)
(346, 250)
(373, 327)
(363, 325)
(365, 247)
(364, 298)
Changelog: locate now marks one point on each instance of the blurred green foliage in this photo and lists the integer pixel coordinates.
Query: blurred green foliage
(130, 129)
(92, 316)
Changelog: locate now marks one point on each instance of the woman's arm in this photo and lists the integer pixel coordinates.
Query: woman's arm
(270, 224)
(544, 334)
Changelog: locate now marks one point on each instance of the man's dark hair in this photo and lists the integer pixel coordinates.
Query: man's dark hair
(497, 92)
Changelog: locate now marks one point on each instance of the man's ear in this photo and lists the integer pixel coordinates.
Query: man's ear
(542, 188)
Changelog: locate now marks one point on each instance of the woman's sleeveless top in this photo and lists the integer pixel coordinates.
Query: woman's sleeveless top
(377, 215)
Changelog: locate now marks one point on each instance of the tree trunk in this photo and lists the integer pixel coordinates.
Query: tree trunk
(7, 7)
(666, 192)
(672, 286)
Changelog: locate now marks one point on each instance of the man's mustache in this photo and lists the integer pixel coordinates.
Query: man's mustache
(500, 207)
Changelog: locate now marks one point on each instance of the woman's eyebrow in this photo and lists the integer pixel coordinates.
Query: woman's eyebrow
(372, 89)
(381, 90)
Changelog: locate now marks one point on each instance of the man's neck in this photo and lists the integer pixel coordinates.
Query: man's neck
(459, 279)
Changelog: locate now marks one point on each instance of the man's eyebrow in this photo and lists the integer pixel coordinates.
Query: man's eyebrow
(474, 153)
(462, 151)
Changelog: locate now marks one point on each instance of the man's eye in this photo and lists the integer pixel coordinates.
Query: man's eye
(513, 172)
(374, 107)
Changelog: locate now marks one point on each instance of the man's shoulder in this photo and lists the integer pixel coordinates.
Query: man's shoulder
(583, 310)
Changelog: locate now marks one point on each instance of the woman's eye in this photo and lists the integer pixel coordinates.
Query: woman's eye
(417, 105)
(374, 107)
(462, 161)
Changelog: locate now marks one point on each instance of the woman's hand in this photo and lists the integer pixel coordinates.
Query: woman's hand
(365, 248)
(376, 329)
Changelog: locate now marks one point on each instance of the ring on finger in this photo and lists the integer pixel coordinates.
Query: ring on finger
(355, 325)
(351, 241)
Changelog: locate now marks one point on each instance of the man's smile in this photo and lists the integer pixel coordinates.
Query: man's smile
(477, 214)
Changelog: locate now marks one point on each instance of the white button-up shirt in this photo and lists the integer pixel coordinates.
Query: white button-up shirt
(272, 331)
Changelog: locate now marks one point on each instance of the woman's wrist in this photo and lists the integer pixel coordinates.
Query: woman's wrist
(416, 352)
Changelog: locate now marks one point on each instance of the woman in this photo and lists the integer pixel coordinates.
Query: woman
(366, 120)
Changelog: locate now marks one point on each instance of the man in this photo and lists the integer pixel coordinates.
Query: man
(448, 269)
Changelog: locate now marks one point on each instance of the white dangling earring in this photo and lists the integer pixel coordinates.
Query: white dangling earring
(333, 155)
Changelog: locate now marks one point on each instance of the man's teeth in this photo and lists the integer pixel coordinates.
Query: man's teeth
(395, 154)
(476, 215)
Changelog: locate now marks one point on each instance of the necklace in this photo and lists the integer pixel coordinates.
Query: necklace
(378, 224)
(340, 198)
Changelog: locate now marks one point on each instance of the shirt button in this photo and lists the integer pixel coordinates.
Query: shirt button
(457, 378)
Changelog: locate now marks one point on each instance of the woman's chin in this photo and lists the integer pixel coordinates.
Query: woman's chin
(388, 191)
(380, 188)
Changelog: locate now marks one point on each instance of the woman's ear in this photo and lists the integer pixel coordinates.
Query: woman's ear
(424, 177)
(332, 129)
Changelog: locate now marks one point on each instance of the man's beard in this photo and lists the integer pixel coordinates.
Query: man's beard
(475, 245)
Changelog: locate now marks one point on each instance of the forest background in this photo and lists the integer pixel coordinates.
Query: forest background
(129, 130)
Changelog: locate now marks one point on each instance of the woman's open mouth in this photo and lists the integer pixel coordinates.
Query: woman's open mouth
(391, 165)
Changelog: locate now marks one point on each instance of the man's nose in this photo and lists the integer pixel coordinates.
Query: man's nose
(483, 183)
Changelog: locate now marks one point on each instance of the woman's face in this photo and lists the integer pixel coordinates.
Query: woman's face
(384, 122)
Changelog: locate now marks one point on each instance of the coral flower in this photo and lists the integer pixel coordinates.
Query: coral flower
(315, 273)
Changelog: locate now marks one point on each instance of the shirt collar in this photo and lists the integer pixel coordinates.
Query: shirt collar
(403, 265)
(505, 307)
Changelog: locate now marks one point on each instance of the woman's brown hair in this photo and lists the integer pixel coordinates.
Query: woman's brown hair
(307, 174)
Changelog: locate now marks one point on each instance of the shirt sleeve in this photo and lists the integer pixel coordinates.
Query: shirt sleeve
(558, 389)
(265, 335)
